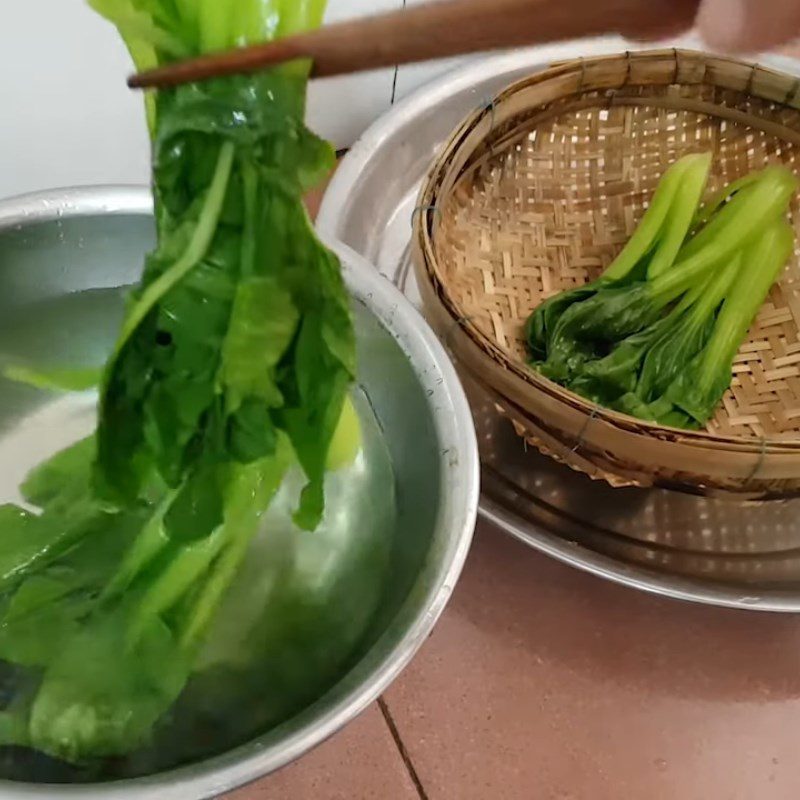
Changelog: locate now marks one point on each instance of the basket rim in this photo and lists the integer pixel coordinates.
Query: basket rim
(425, 220)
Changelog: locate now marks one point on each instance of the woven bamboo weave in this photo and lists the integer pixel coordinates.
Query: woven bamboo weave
(538, 191)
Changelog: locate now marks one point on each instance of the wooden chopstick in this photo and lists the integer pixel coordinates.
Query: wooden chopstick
(433, 30)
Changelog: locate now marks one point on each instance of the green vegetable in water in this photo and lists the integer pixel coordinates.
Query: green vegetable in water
(234, 361)
(655, 336)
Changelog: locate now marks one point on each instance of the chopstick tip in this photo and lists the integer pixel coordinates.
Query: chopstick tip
(135, 81)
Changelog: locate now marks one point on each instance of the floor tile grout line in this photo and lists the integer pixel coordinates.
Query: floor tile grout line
(401, 748)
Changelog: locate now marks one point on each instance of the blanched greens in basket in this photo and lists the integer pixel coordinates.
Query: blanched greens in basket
(234, 362)
(656, 335)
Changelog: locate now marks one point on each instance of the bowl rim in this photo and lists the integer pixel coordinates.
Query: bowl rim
(459, 490)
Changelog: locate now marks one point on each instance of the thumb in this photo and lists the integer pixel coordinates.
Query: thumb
(748, 25)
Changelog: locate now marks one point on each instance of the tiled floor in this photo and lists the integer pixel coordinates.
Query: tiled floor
(543, 683)
(361, 762)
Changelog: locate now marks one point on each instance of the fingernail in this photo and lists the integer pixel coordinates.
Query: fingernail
(723, 24)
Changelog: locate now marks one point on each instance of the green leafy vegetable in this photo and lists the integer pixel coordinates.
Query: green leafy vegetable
(656, 334)
(57, 380)
(698, 383)
(233, 362)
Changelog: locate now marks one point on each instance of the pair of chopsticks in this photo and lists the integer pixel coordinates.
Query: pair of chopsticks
(435, 30)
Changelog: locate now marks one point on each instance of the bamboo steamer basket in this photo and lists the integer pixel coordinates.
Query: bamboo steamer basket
(540, 188)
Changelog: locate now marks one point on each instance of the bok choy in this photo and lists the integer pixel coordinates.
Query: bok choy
(233, 362)
(655, 336)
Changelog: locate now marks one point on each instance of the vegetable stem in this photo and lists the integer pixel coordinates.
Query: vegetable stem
(195, 252)
(681, 212)
(763, 262)
(707, 210)
(647, 232)
(731, 229)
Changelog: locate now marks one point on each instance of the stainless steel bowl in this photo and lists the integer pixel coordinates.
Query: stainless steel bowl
(59, 250)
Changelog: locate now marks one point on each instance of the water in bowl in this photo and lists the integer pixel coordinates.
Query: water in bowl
(291, 625)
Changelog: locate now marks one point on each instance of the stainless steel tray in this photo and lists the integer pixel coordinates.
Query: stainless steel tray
(707, 550)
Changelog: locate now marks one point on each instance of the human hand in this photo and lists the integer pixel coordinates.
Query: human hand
(749, 25)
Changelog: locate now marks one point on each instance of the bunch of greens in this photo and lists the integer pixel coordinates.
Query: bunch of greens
(655, 336)
(233, 362)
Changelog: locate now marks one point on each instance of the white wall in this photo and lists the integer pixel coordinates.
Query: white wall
(341, 108)
(410, 77)
(67, 118)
